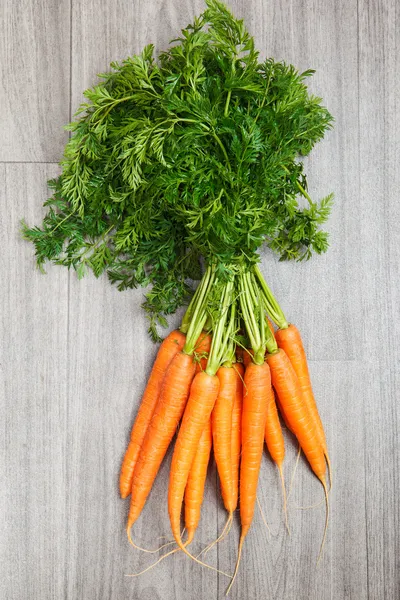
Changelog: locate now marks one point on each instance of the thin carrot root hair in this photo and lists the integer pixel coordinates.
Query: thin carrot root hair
(237, 564)
(200, 562)
(285, 510)
(223, 534)
(154, 564)
(264, 520)
(132, 543)
(310, 506)
(294, 472)
(323, 481)
(178, 549)
(237, 373)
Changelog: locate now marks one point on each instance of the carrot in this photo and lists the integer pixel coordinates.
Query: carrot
(287, 386)
(203, 394)
(290, 341)
(196, 481)
(203, 345)
(247, 357)
(257, 381)
(221, 426)
(282, 413)
(288, 389)
(172, 344)
(237, 432)
(273, 432)
(161, 429)
(275, 442)
(201, 365)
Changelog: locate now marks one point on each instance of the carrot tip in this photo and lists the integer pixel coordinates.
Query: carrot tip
(242, 536)
(323, 481)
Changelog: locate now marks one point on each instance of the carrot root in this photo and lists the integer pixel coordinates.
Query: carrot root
(223, 534)
(132, 543)
(323, 481)
(264, 520)
(237, 563)
(153, 565)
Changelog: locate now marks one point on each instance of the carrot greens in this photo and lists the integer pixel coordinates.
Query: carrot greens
(194, 154)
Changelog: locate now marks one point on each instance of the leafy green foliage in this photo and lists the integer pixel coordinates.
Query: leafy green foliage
(196, 154)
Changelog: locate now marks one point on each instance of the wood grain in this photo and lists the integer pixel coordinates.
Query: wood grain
(34, 79)
(33, 400)
(74, 356)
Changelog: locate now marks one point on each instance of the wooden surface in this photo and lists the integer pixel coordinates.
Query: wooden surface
(74, 355)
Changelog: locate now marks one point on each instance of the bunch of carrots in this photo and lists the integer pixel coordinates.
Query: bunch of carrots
(223, 378)
(179, 168)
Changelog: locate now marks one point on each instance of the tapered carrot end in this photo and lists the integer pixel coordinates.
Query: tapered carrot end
(323, 481)
(328, 462)
(242, 536)
(190, 536)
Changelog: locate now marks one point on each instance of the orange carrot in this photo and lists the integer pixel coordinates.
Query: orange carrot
(201, 365)
(196, 481)
(221, 426)
(161, 429)
(203, 394)
(288, 389)
(257, 381)
(203, 344)
(172, 344)
(275, 442)
(273, 431)
(282, 413)
(247, 357)
(287, 386)
(237, 432)
(290, 341)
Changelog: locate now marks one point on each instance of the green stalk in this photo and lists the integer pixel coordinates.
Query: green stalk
(189, 312)
(271, 304)
(229, 343)
(218, 344)
(199, 314)
(246, 316)
(228, 99)
(254, 318)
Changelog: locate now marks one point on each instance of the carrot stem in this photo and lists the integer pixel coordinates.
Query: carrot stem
(271, 304)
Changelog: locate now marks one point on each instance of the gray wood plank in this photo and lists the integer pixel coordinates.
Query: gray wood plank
(33, 395)
(380, 176)
(73, 364)
(34, 79)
